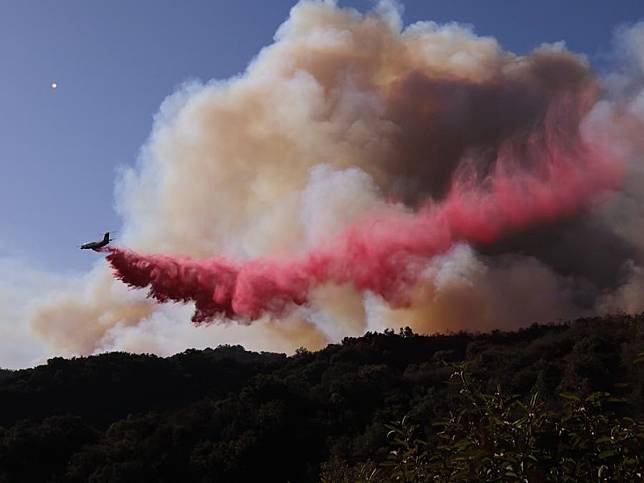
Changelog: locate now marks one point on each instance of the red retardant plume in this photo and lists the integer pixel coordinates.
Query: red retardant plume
(384, 253)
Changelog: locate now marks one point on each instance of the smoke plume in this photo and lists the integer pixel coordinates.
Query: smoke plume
(361, 175)
(385, 253)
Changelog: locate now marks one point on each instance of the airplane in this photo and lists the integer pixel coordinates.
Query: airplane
(97, 245)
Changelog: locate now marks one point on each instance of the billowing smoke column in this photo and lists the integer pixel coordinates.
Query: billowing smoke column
(386, 252)
(360, 175)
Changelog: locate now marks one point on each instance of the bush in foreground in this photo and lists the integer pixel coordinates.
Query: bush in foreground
(498, 437)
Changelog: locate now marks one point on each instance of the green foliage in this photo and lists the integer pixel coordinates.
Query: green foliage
(231, 415)
(408, 460)
(339, 471)
(498, 438)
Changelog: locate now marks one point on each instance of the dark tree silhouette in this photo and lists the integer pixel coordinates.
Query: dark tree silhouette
(227, 414)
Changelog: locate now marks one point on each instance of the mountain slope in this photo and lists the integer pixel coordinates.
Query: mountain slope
(232, 415)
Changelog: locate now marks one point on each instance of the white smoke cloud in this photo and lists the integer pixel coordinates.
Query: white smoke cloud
(20, 285)
(293, 150)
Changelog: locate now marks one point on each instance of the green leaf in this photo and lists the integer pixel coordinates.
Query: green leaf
(601, 470)
(606, 454)
(570, 396)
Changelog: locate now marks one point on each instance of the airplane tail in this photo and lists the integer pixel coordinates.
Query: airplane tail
(106, 237)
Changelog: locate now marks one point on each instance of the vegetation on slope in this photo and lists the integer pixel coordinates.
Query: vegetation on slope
(232, 415)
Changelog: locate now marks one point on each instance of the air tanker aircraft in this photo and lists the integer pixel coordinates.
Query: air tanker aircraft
(97, 245)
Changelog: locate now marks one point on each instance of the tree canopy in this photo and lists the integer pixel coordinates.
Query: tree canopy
(227, 414)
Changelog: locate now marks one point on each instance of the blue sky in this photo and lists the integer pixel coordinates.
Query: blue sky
(116, 61)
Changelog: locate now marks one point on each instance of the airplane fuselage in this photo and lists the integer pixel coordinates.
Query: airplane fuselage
(97, 245)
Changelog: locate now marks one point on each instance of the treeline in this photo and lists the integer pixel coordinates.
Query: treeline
(227, 414)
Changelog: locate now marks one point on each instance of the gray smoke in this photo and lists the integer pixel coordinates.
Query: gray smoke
(348, 112)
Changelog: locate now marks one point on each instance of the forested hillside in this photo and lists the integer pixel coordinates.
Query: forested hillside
(227, 414)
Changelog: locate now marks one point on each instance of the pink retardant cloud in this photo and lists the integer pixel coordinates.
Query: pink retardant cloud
(384, 253)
